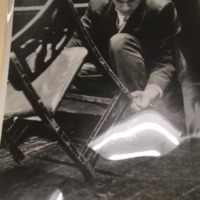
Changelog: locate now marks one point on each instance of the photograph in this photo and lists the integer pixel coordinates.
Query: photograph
(100, 100)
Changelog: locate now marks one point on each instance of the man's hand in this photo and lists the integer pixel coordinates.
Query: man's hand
(140, 100)
(143, 99)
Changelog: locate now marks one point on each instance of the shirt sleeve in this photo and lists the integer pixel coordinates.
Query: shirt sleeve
(163, 48)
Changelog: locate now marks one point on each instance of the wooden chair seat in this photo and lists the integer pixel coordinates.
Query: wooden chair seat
(61, 72)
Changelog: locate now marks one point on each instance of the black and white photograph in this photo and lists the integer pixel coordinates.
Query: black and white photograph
(101, 100)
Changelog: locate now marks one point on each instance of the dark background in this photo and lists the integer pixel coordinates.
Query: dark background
(189, 39)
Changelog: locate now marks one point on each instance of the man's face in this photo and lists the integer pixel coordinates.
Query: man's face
(126, 7)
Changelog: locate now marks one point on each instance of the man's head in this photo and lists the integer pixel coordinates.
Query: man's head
(126, 7)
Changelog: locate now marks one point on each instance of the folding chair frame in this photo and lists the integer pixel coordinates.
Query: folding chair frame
(112, 114)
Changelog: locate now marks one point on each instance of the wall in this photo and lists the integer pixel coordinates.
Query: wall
(189, 39)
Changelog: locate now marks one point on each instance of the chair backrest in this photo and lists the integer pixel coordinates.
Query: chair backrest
(48, 41)
(38, 44)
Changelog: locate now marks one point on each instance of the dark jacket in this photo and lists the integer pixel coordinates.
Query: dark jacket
(154, 23)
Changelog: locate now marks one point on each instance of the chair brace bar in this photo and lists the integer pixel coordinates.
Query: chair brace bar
(47, 117)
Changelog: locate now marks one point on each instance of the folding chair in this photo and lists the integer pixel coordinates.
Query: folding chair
(41, 73)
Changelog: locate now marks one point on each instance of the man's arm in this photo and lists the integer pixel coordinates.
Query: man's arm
(162, 50)
(162, 54)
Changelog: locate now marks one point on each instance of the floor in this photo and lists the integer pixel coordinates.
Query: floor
(48, 174)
